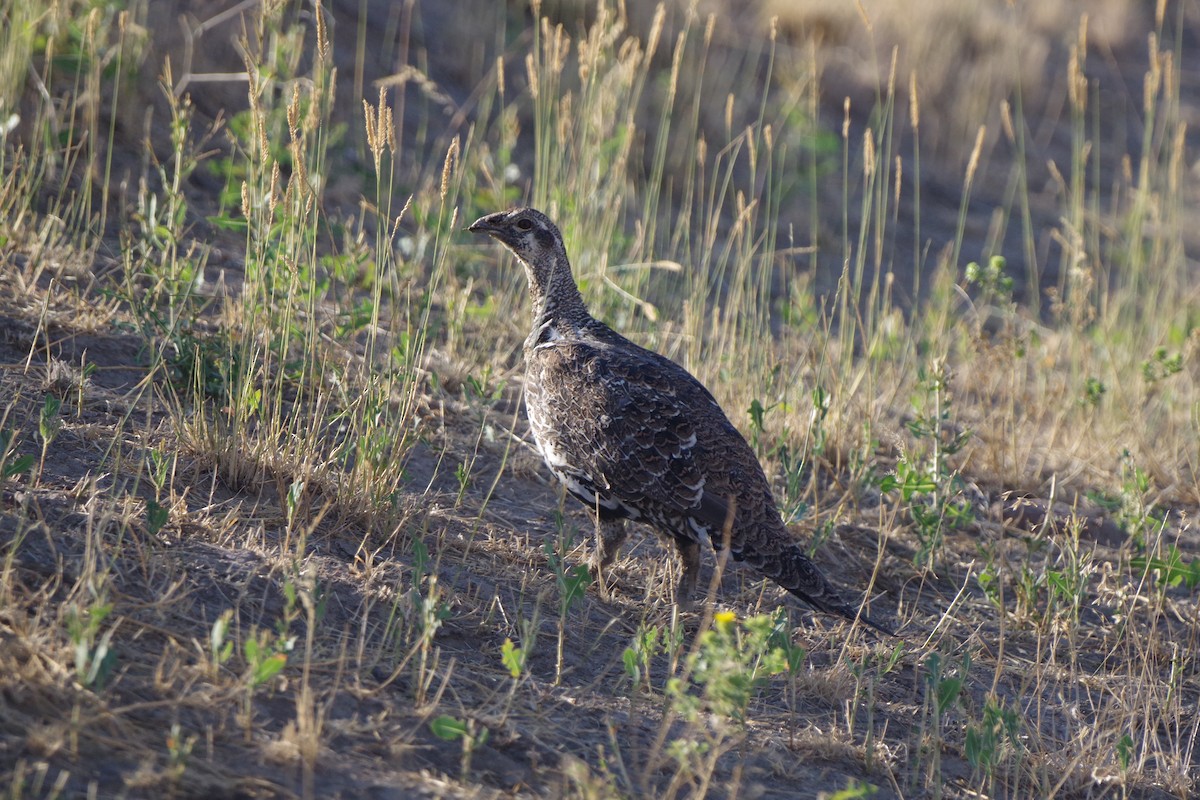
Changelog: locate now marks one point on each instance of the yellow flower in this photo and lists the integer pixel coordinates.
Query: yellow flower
(725, 618)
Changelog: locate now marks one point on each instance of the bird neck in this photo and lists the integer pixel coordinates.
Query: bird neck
(555, 296)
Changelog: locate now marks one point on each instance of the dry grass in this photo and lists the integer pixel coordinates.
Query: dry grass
(269, 520)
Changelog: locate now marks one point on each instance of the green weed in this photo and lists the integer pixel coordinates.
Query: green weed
(95, 656)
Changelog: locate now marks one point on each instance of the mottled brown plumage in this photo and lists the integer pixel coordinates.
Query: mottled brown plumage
(633, 435)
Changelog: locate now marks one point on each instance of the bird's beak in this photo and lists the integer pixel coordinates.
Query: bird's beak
(484, 224)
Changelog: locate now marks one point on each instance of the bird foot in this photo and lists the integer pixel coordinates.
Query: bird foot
(597, 574)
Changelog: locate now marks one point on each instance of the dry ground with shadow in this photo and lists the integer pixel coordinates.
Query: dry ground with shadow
(270, 521)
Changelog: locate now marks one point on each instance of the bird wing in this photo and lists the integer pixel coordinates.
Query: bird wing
(641, 427)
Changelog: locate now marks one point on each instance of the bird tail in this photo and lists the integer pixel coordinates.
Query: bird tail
(796, 572)
(843, 609)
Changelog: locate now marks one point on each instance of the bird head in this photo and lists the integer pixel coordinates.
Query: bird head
(535, 241)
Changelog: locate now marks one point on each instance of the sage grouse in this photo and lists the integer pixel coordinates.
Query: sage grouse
(634, 436)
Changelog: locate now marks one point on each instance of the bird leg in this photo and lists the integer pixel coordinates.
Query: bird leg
(610, 533)
(689, 556)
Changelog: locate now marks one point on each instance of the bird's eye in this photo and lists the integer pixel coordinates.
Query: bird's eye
(525, 224)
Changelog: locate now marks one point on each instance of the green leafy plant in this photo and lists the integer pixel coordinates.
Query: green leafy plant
(513, 658)
(462, 473)
(428, 611)
(159, 466)
(990, 580)
(220, 646)
(731, 661)
(179, 751)
(794, 657)
(1161, 365)
(943, 689)
(471, 733)
(727, 665)
(1093, 392)
(95, 658)
(156, 517)
(1133, 507)
(992, 739)
(49, 424)
(758, 417)
(991, 278)
(572, 583)
(11, 463)
(1124, 752)
(638, 657)
(855, 790)
(927, 482)
(1172, 568)
(294, 500)
(266, 655)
